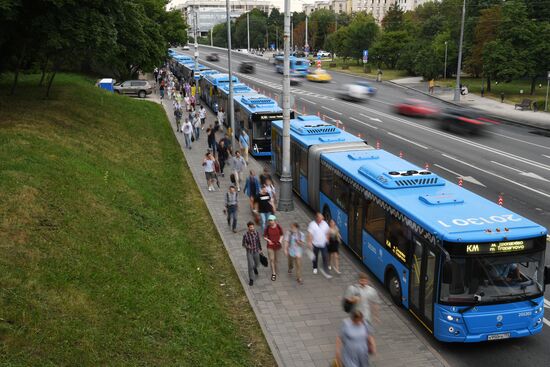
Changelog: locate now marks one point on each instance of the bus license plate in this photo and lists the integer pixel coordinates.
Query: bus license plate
(498, 336)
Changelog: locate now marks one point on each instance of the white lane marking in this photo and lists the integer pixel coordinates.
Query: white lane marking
(331, 110)
(522, 141)
(526, 174)
(461, 140)
(546, 321)
(363, 122)
(501, 177)
(370, 118)
(547, 156)
(308, 101)
(408, 140)
(458, 175)
(546, 303)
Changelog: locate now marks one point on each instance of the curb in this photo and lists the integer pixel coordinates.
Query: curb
(496, 116)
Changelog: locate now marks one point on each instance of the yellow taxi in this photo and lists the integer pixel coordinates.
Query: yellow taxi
(319, 75)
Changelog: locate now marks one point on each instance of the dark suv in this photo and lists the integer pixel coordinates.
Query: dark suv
(140, 88)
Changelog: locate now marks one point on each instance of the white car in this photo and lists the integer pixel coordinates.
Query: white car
(186, 48)
(322, 53)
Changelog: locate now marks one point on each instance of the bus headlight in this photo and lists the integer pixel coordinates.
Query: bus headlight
(538, 310)
(450, 318)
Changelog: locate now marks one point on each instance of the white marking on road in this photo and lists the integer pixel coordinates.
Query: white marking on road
(308, 101)
(547, 156)
(331, 110)
(526, 174)
(522, 141)
(461, 140)
(408, 140)
(364, 123)
(370, 118)
(458, 175)
(501, 177)
(546, 303)
(546, 321)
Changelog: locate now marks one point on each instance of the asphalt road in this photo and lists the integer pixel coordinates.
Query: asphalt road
(510, 160)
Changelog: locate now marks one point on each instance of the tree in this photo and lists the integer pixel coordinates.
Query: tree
(393, 20)
(388, 47)
(321, 23)
(361, 34)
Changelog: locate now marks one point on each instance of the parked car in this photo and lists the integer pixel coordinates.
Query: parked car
(213, 57)
(322, 53)
(185, 48)
(247, 67)
(140, 88)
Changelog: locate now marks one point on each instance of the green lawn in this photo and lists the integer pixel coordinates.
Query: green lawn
(108, 255)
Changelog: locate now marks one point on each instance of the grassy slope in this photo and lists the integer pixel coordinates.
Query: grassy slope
(102, 235)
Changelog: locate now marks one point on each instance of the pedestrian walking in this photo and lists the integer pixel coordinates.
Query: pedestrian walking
(265, 176)
(231, 207)
(273, 234)
(223, 155)
(334, 241)
(211, 139)
(294, 248)
(318, 231)
(209, 170)
(251, 242)
(364, 298)
(178, 115)
(431, 86)
(197, 125)
(192, 101)
(188, 133)
(252, 187)
(187, 101)
(354, 343)
(161, 90)
(239, 165)
(202, 114)
(156, 74)
(187, 89)
(263, 206)
(221, 116)
(244, 143)
(271, 191)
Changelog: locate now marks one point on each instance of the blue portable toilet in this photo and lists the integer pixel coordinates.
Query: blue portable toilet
(107, 84)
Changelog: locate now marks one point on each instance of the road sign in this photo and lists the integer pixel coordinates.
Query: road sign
(548, 76)
(197, 77)
(365, 56)
(306, 49)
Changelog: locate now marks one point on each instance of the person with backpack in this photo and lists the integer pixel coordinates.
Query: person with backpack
(231, 207)
(252, 188)
(273, 234)
(364, 298)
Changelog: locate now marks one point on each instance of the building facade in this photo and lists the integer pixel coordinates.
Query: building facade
(209, 13)
(377, 8)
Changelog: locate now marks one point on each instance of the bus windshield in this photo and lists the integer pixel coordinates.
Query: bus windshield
(492, 279)
(262, 129)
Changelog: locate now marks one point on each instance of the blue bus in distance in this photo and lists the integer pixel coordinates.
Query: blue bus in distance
(210, 87)
(466, 268)
(298, 66)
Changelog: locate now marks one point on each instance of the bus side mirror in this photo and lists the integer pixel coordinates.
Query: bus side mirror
(546, 275)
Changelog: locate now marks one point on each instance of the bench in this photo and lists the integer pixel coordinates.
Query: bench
(525, 104)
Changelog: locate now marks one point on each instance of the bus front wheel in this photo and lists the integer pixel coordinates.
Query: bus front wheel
(394, 287)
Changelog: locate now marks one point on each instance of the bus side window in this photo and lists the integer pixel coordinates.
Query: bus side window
(398, 236)
(340, 192)
(375, 221)
(303, 161)
(326, 180)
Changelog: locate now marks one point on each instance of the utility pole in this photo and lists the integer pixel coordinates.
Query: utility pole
(248, 31)
(459, 66)
(292, 34)
(445, 70)
(285, 201)
(547, 87)
(211, 31)
(230, 113)
(195, 73)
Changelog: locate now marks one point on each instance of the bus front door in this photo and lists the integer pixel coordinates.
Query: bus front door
(355, 222)
(422, 282)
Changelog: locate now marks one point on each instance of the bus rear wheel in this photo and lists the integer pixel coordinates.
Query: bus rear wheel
(394, 287)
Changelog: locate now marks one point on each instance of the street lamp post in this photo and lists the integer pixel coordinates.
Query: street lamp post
(445, 70)
(306, 46)
(285, 202)
(230, 113)
(248, 31)
(196, 55)
(547, 87)
(459, 66)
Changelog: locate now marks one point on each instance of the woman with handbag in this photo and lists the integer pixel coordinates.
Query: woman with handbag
(354, 343)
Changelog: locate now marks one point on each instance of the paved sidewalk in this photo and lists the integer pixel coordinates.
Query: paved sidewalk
(301, 322)
(503, 110)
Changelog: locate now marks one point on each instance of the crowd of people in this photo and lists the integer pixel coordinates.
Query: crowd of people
(321, 239)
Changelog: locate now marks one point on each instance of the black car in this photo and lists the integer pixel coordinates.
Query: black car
(213, 57)
(247, 67)
(463, 120)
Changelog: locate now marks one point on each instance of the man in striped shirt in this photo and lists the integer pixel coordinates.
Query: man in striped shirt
(253, 246)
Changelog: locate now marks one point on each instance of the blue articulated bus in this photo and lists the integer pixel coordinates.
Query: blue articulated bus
(298, 66)
(254, 113)
(238, 90)
(468, 269)
(210, 88)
